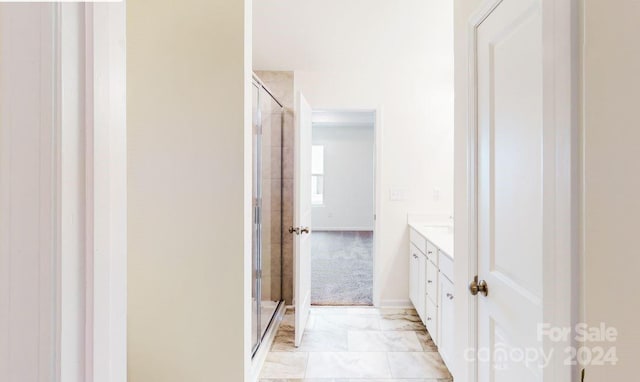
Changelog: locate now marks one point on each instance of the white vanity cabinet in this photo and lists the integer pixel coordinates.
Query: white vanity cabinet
(417, 271)
(431, 312)
(431, 287)
(446, 310)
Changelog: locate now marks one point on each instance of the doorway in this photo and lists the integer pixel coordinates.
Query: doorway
(343, 208)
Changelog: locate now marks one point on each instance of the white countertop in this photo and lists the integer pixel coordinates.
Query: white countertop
(439, 235)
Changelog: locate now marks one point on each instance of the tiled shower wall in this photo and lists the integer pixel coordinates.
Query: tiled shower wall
(280, 84)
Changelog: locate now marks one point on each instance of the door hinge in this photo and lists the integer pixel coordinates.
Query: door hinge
(256, 213)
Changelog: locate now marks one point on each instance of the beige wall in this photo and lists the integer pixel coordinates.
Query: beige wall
(189, 232)
(611, 176)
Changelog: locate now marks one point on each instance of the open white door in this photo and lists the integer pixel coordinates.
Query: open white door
(302, 217)
(517, 190)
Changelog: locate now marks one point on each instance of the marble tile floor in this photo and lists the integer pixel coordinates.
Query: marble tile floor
(355, 344)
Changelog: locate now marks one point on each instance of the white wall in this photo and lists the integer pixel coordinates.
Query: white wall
(189, 115)
(395, 56)
(348, 178)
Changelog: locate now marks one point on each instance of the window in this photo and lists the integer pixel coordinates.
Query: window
(317, 174)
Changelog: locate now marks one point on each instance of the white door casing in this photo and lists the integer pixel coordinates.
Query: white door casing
(63, 192)
(525, 173)
(302, 216)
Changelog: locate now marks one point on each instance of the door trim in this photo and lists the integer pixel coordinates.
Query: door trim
(377, 197)
(560, 90)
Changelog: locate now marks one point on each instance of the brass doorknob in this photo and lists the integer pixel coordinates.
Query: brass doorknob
(298, 230)
(478, 287)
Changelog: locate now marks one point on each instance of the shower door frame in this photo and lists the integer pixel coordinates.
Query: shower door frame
(257, 213)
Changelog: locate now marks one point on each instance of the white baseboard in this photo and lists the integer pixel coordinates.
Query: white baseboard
(261, 355)
(402, 304)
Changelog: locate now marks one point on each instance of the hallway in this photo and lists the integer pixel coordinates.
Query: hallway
(355, 344)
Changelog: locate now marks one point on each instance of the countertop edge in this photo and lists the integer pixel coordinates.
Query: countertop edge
(418, 227)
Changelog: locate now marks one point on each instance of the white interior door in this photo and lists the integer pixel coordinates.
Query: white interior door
(302, 217)
(511, 178)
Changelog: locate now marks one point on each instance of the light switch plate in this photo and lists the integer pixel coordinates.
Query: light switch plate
(397, 194)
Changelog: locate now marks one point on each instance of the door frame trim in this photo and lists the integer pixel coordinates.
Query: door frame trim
(377, 187)
(560, 113)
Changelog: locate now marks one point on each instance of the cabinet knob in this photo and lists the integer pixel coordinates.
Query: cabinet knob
(415, 256)
(428, 318)
(429, 281)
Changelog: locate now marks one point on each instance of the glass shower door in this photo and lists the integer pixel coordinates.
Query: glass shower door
(266, 291)
(270, 210)
(255, 240)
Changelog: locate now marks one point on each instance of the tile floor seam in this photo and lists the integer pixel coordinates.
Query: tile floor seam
(389, 365)
(306, 366)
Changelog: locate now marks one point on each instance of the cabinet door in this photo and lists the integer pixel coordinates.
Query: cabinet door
(422, 289)
(431, 320)
(432, 282)
(446, 320)
(414, 279)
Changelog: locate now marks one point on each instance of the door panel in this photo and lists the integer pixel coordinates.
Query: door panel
(302, 217)
(510, 184)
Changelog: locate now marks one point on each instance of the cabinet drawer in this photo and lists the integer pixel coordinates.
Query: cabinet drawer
(432, 253)
(432, 281)
(418, 240)
(431, 321)
(446, 265)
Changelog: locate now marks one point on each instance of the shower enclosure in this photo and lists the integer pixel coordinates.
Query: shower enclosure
(267, 210)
